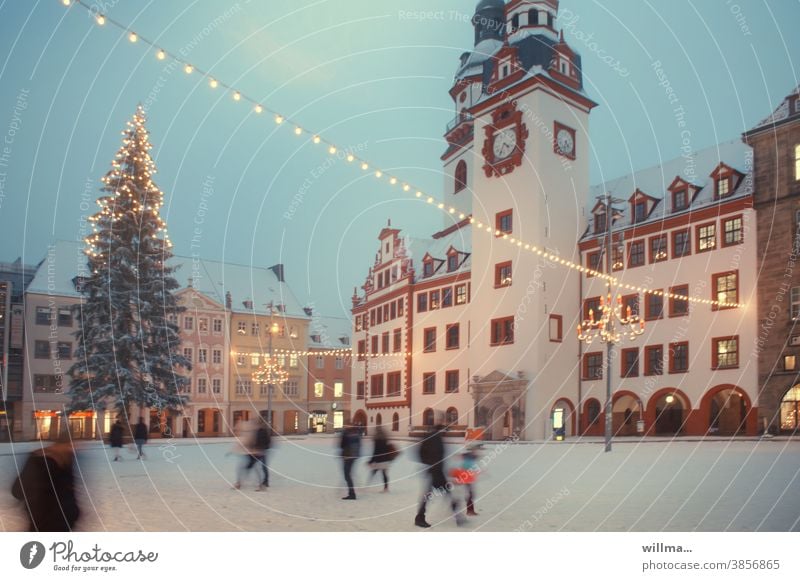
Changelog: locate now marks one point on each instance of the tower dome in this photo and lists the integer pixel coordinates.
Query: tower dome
(489, 20)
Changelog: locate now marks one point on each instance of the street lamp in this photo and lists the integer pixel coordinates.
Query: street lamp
(270, 372)
(604, 326)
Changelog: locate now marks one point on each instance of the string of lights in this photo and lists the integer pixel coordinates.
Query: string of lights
(329, 353)
(259, 108)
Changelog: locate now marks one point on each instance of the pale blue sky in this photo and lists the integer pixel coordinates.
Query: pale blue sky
(372, 75)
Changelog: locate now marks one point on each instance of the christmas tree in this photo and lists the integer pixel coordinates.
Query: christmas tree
(128, 337)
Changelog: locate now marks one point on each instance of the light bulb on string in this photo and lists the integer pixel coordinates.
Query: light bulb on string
(188, 69)
(161, 55)
(133, 37)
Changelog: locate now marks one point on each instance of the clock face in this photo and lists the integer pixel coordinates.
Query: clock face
(566, 144)
(504, 143)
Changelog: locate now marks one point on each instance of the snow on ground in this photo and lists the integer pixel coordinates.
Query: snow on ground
(641, 486)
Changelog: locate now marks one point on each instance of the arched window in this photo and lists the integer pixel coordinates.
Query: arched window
(427, 417)
(515, 23)
(396, 422)
(790, 410)
(451, 417)
(378, 420)
(533, 17)
(461, 176)
(592, 411)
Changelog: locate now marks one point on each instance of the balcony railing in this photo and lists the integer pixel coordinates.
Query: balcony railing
(458, 120)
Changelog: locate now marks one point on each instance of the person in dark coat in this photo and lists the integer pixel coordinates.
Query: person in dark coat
(140, 434)
(261, 445)
(382, 455)
(115, 439)
(46, 485)
(350, 445)
(431, 453)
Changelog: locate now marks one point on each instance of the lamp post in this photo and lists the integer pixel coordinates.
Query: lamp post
(270, 372)
(611, 314)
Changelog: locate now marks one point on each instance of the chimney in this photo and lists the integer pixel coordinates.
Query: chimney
(308, 310)
(228, 300)
(278, 270)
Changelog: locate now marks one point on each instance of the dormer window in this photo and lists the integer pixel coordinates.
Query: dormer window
(504, 71)
(515, 23)
(640, 211)
(723, 187)
(564, 68)
(599, 223)
(248, 304)
(427, 268)
(452, 262)
(680, 200)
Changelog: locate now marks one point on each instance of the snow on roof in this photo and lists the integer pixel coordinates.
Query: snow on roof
(783, 111)
(695, 168)
(460, 239)
(328, 332)
(65, 260)
(484, 50)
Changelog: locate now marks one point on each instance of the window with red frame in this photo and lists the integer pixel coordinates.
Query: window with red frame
(679, 357)
(653, 306)
(631, 301)
(374, 344)
(654, 360)
(732, 231)
(593, 262)
(461, 294)
(427, 417)
(422, 302)
(617, 257)
(556, 328)
(639, 211)
(428, 383)
(636, 253)
(680, 200)
(599, 223)
(393, 384)
(385, 342)
(725, 288)
(392, 311)
(460, 176)
(399, 307)
(452, 336)
(593, 366)
(433, 300)
(359, 390)
(376, 386)
(451, 381)
(504, 222)
(592, 305)
(679, 307)
(725, 352)
(502, 331)
(452, 262)
(362, 349)
(502, 274)
(706, 237)
(447, 297)
(429, 340)
(630, 362)
(658, 248)
(398, 340)
(723, 187)
(427, 268)
(681, 243)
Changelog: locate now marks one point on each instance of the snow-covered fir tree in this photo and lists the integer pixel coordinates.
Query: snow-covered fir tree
(128, 339)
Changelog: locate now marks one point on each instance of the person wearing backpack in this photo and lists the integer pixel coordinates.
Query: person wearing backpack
(431, 453)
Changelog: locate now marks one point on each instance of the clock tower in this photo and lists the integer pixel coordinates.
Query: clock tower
(518, 161)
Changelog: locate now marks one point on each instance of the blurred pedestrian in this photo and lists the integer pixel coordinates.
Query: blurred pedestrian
(47, 487)
(382, 455)
(115, 439)
(467, 473)
(431, 453)
(140, 434)
(350, 445)
(261, 446)
(245, 433)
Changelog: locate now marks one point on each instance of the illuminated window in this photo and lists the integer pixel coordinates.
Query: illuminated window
(658, 248)
(319, 389)
(726, 353)
(725, 288)
(732, 231)
(338, 389)
(706, 237)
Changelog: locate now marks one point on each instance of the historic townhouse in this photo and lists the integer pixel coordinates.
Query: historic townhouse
(685, 228)
(329, 373)
(776, 143)
(14, 279)
(204, 341)
(225, 341)
(266, 318)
